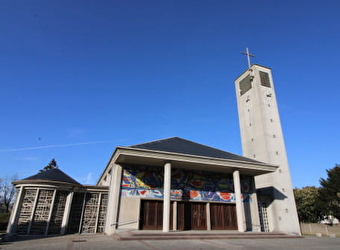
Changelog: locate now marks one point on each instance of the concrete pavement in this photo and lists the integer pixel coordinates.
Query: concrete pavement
(102, 242)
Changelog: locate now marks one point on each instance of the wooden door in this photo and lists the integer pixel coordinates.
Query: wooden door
(198, 216)
(151, 215)
(223, 216)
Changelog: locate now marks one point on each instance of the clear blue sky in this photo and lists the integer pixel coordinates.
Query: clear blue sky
(127, 72)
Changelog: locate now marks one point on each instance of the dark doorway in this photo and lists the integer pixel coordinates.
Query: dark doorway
(223, 216)
(75, 214)
(183, 216)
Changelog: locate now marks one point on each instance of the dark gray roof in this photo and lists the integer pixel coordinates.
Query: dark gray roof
(53, 175)
(182, 146)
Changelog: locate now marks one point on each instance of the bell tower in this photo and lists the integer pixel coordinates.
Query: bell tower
(262, 140)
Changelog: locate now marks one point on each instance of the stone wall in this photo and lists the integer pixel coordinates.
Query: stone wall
(317, 228)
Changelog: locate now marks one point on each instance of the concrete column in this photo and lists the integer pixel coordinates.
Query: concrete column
(113, 200)
(15, 212)
(166, 198)
(239, 202)
(174, 217)
(208, 217)
(66, 212)
(256, 225)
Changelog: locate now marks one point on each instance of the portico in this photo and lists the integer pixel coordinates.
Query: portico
(182, 189)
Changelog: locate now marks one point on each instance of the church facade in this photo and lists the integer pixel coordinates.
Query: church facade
(174, 184)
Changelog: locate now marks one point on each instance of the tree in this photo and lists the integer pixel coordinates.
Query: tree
(51, 165)
(7, 192)
(305, 199)
(329, 198)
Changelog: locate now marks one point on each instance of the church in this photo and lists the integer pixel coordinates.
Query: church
(174, 184)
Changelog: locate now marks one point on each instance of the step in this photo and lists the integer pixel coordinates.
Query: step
(191, 236)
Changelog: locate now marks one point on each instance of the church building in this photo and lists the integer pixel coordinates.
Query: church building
(174, 184)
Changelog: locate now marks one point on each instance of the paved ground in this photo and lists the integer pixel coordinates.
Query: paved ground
(99, 242)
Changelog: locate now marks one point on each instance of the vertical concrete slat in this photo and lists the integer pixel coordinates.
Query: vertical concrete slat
(50, 212)
(67, 210)
(33, 211)
(98, 209)
(15, 214)
(82, 214)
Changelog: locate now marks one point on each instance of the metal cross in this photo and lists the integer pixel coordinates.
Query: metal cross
(248, 56)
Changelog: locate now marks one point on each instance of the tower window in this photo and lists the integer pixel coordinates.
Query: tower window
(245, 85)
(277, 152)
(274, 136)
(264, 76)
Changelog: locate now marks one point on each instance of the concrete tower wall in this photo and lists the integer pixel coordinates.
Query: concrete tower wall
(262, 139)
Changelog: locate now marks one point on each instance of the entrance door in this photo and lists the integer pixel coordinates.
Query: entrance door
(151, 215)
(263, 216)
(191, 216)
(223, 216)
(183, 216)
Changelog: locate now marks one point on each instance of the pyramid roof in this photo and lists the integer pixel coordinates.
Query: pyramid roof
(183, 146)
(54, 174)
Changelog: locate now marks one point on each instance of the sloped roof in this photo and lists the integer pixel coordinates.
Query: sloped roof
(182, 146)
(53, 175)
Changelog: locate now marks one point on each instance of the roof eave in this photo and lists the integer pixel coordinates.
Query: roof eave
(44, 182)
(129, 155)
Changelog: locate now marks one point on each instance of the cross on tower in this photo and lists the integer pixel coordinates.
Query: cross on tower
(248, 56)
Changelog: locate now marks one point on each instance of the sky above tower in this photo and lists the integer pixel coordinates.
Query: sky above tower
(79, 78)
